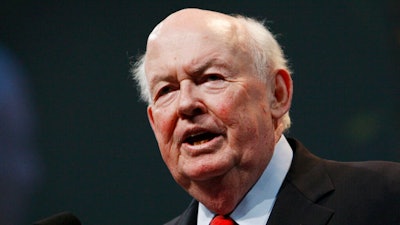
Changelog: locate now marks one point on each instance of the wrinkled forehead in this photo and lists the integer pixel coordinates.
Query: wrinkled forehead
(190, 37)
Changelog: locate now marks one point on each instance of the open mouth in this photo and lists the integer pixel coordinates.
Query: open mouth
(198, 139)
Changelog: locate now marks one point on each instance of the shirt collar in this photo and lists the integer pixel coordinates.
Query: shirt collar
(257, 205)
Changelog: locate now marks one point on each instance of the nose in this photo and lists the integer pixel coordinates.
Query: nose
(190, 103)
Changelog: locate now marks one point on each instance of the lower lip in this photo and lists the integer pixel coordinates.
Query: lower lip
(204, 148)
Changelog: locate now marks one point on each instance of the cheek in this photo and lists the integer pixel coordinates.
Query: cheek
(227, 106)
(163, 126)
(245, 116)
(229, 114)
(163, 130)
(224, 110)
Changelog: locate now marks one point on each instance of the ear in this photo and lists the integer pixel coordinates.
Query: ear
(282, 91)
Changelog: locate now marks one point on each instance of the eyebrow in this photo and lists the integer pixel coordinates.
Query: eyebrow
(201, 67)
(160, 77)
(192, 70)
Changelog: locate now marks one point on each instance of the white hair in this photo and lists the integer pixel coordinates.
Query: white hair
(267, 55)
(139, 76)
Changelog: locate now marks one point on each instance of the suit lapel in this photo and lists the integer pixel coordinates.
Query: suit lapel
(306, 184)
(189, 217)
(294, 208)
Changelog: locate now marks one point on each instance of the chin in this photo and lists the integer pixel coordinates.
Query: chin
(207, 174)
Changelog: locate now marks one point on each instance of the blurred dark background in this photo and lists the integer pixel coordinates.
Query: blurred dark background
(89, 148)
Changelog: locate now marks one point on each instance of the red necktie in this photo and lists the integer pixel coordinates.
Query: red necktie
(222, 220)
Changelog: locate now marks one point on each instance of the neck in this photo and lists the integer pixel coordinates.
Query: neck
(219, 197)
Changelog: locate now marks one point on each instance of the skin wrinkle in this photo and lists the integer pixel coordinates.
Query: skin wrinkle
(182, 51)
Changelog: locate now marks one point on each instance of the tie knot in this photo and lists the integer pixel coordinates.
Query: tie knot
(222, 220)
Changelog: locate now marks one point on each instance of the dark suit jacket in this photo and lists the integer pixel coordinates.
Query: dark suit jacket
(317, 191)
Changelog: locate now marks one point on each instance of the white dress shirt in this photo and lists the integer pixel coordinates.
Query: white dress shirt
(257, 205)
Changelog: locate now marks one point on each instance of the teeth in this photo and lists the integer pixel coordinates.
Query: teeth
(200, 142)
(200, 138)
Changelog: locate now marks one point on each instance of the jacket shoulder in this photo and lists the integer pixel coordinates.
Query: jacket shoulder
(358, 192)
(173, 221)
(188, 217)
(375, 177)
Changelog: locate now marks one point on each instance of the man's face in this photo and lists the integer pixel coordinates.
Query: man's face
(210, 113)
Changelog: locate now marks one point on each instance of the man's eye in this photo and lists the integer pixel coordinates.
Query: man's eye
(164, 90)
(213, 77)
(165, 93)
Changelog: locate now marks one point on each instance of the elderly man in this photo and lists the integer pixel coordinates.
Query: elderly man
(219, 92)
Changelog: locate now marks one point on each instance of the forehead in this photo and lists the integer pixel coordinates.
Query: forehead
(188, 41)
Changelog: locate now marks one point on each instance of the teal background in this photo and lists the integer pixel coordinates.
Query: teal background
(100, 159)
